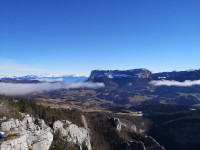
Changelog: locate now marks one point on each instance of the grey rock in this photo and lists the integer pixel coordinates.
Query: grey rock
(16, 144)
(75, 134)
(44, 141)
(134, 128)
(33, 134)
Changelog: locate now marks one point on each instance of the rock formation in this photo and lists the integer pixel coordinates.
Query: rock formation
(30, 133)
(75, 134)
(115, 122)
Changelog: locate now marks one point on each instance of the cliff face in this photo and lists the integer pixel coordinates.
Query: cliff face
(120, 78)
(134, 77)
(134, 73)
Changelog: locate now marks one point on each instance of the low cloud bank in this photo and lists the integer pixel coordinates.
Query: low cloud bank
(24, 88)
(175, 83)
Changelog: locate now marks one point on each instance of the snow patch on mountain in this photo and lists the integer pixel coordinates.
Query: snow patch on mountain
(50, 78)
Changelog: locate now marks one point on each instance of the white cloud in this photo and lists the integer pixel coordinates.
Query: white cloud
(24, 88)
(175, 83)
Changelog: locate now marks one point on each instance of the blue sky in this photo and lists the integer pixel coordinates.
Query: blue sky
(77, 36)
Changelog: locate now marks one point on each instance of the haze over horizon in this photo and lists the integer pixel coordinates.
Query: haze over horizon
(75, 37)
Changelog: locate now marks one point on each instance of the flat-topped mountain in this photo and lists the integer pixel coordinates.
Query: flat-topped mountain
(139, 76)
(121, 77)
(139, 73)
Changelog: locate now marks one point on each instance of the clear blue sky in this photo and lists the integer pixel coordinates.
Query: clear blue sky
(77, 36)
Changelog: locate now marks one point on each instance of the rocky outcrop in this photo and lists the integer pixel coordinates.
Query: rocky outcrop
(16, 144)
(115, 122)
(138, 141)
(31, 134)
(75, 134)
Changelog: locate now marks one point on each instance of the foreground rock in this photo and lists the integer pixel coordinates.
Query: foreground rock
(75, 134)
(30, 133)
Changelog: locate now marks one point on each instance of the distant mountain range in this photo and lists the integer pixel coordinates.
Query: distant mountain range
(114, 78)
(44, 78)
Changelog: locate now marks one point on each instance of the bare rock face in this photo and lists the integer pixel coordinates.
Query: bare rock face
(31, 134)
(133, 128)
(44, 141)
(11, 124)
(118, 78)
(75, 134)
